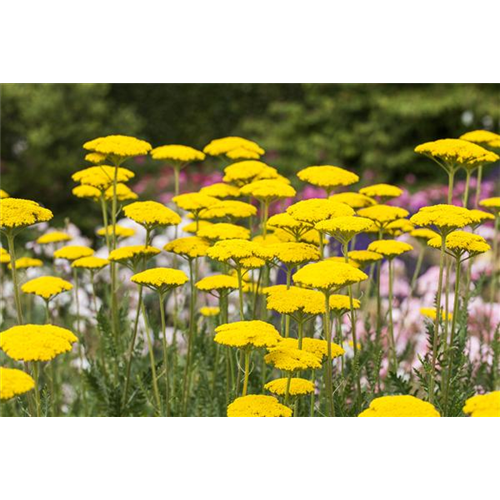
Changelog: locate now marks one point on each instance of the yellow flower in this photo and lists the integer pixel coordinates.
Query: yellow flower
(385, 191)
(194, 227)
(14, 382)
(483, 138)
(91, 263)
(120, 232)
(289, 359)
(382, 215)
(257, 406)
(36, 342)
(460, 242)
(151, 214)
(327, 275)
(341, 304)
(121, 146)
(243, 172)
(177, 153)
(454, 153)
(46, 287)
(354, 200)
(317, 209)
(341, 259)
(16, 213)
(160, 279)
(101, 177)
(298, 386)
(423, 234)
(191, 247)
(483, 405)
(268, 190)
(481, 216)
(389, 248)
(73, 252)
(232, 209)
(87, 192)
(123, 193)
(217, 282)
(327, 177)
(209, 311)
(95, 158)
(226, 144)
(294, 299)
(343, 229)
(318, 347)
(430, 313)
(132, 255)
(492, 203)
(398, 227)
(364, 257)
(4, 194)
(236, 250)
(242, 334)
(194, 202)
(53, 237)
(4, 257)
(444, 217)
(224, 231)
(294, 253)
(287, 223)
(27, 262)
(399, 406)
(242, 154)
(221, 190)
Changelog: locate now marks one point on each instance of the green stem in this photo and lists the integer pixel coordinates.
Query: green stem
(287, 390)
(391, 320)
(187, 371)
(114, 298)
(451, 179)
(240, 289)
(36, 374)
(467, 184)
(247, 372)
(478, 185)
(152, 362)
(17, 298)
(329, 374)
(165, 353)
(104, 211)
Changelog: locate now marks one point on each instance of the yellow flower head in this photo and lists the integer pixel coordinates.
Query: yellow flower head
(483, 405)
(398, 227)
(491, 203)
(454, 153)
(4, 256)
(236, 250)
(133, 254)
(26, 262)
(226, 144)
(120, 231)
(177, 153)
(385, 191)
(160, 279)
(46, 287)
(95, 158)
(318, 347)
(224, 231)
(36, 342)
(258, 406)
(242, 154)
(389, 248)
(460, 242)
(243, 172)
(481, 217)
(151, 214)
(53, 237)
(14, 382)
(343, 229)
(209, 311)
(4, 194)
(328, 275)
(483, 138)
(382, 215)
(286, 222)
(191, 247)
(85, 191)
(354, 200)
(295, 299)
(341, 304)
(430, 313)
(399, 406)
(443, 217)
(289, 359)
(16, 213)
(294, 253)
(364, 257)
(230, 209)
(317, 209)
(423, 234)
(194, 202)
(268, 190)
(123, 193)
(92, 263)
(121, 146)
(217, 282)
(242, 334)
(73, 252)
(102, 177)
(298, 386)
(341, 259)
(221, 190)
(327, 177)
(194, 227)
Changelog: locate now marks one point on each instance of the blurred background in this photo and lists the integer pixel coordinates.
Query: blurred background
(371, 129)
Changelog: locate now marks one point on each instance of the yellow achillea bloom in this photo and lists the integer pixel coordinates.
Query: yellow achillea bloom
(444, 217)
(36, 342)
(14, 382)
(85, 191)
(231, 209)
(132, 255)
(423, 234)
(351, 262)
(73, 252)
(382, 215)
(343, 229)
(364, 257)
(430, 313)
(398, 227)
(217, 282)
(53, 237)
(389, 248)
(460, 242)
(4, 256)
(194, 227)
(258, 406)
(178, 153)
(289, 359)
(242, 154)
(160, 279)
(287, 223)
(318, 209)
(16, 213)
(385, 191)
(123, 193)
(27, 262)
(227, 144)
(194, 202)
(294, 299)
(242, 334)
(95, 158)
(224, 231)
(492, 203)
(327, 275)
(483, 405)
(481, 217)
(294, 253)
(354, 200)
(298, 386)
(121, 146)
(243, 172)
(101, 177)
(209, 311)
(191, 247)
(4, 194)
(483, 138)
(341, 303)
(236, 250)
(47, 287)
(221, 190)
(120, 231)
(399, 406)
(327, 177)
(151, 214)
(268, 190)
(318, 347)
(92, 263)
